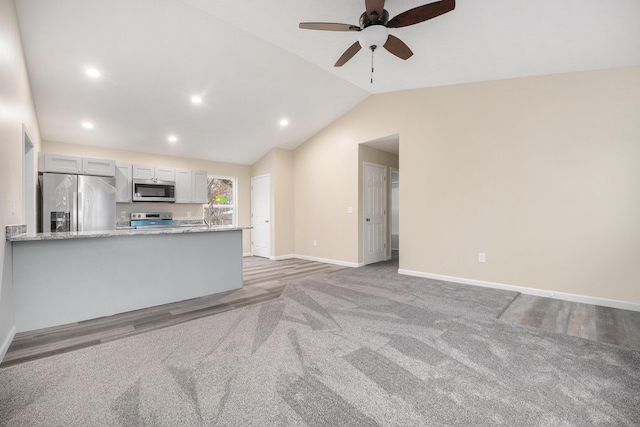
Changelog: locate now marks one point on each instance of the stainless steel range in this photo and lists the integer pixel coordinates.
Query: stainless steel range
(151, 219)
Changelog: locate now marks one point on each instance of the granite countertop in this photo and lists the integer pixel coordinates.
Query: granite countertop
(179, 229)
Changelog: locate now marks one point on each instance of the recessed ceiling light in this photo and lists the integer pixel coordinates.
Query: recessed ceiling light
(87, 125)
(173, 138)
(92, 72)
(284, 122)
(196, 100)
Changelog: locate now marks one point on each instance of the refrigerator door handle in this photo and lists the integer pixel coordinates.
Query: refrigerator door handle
(74, 212)
(80, 211)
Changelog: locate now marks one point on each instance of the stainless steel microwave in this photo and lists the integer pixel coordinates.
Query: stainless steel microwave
(151, 190)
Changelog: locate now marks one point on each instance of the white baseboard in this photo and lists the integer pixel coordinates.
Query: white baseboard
(7, 343)
(328, 261)
(247, 254)
(585, 299)
(311, 258)
(281, 257)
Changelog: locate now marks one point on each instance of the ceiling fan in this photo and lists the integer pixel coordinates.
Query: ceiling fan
(374, 24)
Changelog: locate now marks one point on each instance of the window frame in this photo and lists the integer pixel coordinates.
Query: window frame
(234, 206)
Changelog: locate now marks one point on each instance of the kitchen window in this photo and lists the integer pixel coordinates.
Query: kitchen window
(222, 196)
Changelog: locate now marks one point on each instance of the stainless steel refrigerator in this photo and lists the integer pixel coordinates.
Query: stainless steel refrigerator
(77, 203)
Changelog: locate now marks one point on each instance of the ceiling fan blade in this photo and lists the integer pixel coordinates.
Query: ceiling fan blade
(374, 6)
(328, 26)
(348, 54)
(398, 47)
(422, 13)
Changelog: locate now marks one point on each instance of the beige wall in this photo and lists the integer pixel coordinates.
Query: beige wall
(383, 158)
(325, 184)
(542, 174)
(16, 109)
(278, 163)
(179, 210)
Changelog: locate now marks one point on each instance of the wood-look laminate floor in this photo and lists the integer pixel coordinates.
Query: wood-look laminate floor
(263, 280)
(593, 322)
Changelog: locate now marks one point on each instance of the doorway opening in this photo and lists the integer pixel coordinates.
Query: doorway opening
(385, 153)
(395, 211)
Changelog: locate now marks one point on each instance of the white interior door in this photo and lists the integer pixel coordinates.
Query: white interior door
(374, 211)
(261, 216)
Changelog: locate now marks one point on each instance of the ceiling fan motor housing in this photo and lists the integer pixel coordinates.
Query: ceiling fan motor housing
(374, 19)
(373, 36)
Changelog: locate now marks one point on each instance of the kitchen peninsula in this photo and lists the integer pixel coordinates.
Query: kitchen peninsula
(61, 278)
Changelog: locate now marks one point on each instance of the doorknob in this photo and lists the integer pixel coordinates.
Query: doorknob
(368, 219)
(266, 220)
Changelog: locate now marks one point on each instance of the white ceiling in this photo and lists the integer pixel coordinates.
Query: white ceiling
(253, 66)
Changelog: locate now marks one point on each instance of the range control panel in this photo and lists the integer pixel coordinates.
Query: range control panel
(151, 215)
(151, 219)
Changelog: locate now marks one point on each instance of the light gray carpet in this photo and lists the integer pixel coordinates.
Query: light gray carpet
(361, 347)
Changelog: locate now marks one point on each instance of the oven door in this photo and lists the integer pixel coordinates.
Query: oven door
(153, 191)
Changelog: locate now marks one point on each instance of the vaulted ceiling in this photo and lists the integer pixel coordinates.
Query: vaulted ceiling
(253, 67)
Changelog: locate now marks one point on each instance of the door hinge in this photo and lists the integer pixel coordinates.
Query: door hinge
(385, 246)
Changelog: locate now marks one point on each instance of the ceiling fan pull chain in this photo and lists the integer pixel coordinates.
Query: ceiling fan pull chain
(373, 49)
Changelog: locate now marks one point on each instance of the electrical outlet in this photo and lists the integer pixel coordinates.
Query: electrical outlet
(188, 214)
(315, 243)
(482, 257)
(349, 210)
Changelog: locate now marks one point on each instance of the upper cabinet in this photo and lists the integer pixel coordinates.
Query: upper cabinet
(199, 186)
(100, 167)
(165, 174)
(144, 172)
(183, 185)
(60, 163)
(123, 182)
(159, 173)
(191, 186)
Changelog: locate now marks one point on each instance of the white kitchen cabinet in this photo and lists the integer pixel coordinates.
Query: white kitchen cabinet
(143, 172)
(183, 185)
(59, 163)
(123, 182)
(199, 186)
(165, 174)
(99, 167)
(191, 186)
(160, 173)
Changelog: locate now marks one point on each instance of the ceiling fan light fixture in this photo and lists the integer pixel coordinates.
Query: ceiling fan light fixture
(374, 35)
